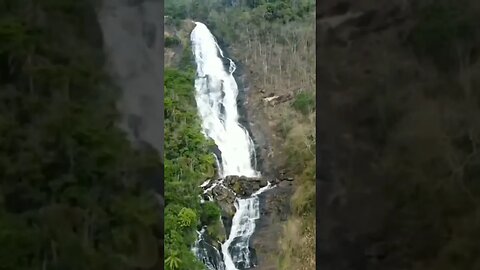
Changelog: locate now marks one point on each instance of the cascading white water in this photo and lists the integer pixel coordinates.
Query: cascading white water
(217, 104)
(202, 250)
(216, 97)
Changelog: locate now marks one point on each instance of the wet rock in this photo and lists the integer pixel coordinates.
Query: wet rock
(244, 186)
(225, 198)
(275, 209)
(225, 192)
(275, 181)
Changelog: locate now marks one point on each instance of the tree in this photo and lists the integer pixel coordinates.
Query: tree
(172, 261)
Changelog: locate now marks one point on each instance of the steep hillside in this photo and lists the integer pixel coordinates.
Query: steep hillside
(399, 112)
(275, 45)
(272, 43)
(188, 157)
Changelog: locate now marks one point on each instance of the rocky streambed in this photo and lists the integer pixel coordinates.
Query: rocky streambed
(274, 209)
(224, 191)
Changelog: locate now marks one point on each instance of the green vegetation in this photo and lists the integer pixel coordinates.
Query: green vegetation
(72, 194)
(298, 239)
(191, 9)
(188, 162)
(304, 102)
(210, 212)
(275, 40)
(172, 41)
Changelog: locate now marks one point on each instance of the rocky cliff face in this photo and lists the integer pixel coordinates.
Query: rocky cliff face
(133, 38)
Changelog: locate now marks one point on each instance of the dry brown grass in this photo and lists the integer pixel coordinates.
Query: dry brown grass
(298, 238)
(298, 245)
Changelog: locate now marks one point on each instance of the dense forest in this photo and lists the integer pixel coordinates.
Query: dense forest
(73, 193)
(399, 109)
(274, 41)
(188, 162)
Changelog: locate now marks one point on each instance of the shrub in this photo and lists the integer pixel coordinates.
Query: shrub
(172, 41)
(304, 102)
(187, 218)
(210, 213)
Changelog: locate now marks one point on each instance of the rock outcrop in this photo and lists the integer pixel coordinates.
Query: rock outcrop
(244, 186)
(225, 191)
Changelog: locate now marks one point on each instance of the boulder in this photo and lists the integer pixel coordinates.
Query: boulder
(244, 186)
(225, 191)
(225, 198)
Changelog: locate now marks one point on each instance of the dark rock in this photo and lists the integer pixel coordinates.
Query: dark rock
(263, 182)
(224, 197)
(244, 186)
(275, 209)
(217, 152)
(226, 192)
(365, 19)
(340, 8)
(284, 184)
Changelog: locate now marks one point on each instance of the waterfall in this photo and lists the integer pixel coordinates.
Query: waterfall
(203, 250)
(216, 97)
